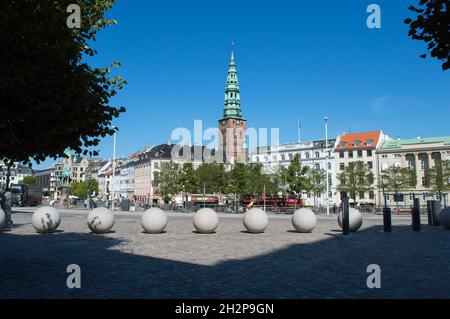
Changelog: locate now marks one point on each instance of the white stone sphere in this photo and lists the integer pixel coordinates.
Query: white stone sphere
(154, 220)
(100, 220)
(2, 218)
(355, 219)
(304, 220)
(444, 217)
(256, 220)
(206, 220)
(46, 219)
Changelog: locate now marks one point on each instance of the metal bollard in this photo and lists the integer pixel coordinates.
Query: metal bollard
(415, 214)
(435, 210)
(387, 225)
(430, 212)
(345, 217)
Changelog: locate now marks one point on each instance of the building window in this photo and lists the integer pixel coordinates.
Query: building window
(370, 164)
(283, 157)
(371, 195)
(307, 155)
(357, 143)
(369, 142)
(329, 165)
(369, 152)
(361, 195)
(290, 157)
(342, 144)
(341, 166)
(350, 154)
(424, 181)
(422, 164)
(317, 154)
(360, 153)
(341, 154)
(317, 166)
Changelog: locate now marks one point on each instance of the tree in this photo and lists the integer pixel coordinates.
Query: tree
(85, 188)
(167, 180)
(294, 177)
(317, 181)
(29, 180)
(238, 182)
(212, 178)
(395, 179)
(50, 97)
(189, 181)
(431, 25)
(438, 177)
(355, 178)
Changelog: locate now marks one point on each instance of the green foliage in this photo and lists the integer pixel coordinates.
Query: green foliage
(431, 25)
(395, 179)
(294, 177)
(212, 178)
(188, 180)
(167, 180)
(29, 180)
(50, 97)
(84, 188)
(438, 177)
(355, 178)
(317, 181)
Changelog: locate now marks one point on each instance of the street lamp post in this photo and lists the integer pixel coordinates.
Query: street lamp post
(326, 164)
(113, 171)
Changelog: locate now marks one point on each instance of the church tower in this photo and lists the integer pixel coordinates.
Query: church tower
(232, 125)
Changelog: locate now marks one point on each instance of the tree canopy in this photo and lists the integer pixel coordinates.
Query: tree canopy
(50, 97)
(355, 178)
(396, 179)
(29, 180)
(85, 188)
(432, 25)
(438, 177)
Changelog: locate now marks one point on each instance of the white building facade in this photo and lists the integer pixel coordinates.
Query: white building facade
(314, 154)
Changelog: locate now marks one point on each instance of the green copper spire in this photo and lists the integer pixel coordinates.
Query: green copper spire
(232, 105)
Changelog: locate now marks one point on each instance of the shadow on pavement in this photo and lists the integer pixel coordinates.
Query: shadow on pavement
(413, 264)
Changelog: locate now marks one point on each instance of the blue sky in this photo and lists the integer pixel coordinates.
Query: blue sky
(295, 59)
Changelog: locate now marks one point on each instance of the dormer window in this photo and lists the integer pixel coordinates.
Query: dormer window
(369, 142)
(357, 143)
(342, 144)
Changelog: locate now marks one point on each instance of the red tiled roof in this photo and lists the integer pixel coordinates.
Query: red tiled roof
(350, 140)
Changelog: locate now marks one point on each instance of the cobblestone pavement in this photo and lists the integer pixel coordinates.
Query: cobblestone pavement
(231, 263)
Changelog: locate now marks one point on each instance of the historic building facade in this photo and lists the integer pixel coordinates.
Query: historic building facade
(418, 154)
(355, 147)
(232, 125)
(314, 154)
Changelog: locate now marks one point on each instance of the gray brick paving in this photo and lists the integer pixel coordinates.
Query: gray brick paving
(231, 263)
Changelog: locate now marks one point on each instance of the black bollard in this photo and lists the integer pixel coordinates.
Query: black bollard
(415, 212)
(435, 210)
(345, 217)
(430, 212)
(387, 225)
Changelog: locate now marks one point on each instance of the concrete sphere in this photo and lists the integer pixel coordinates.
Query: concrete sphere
(2, 218)
(355, 219)
(304, 220)
(206, 221)
(256, 220)
(444, 217)
(100, 220)
(45, 219)
(154, 220)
